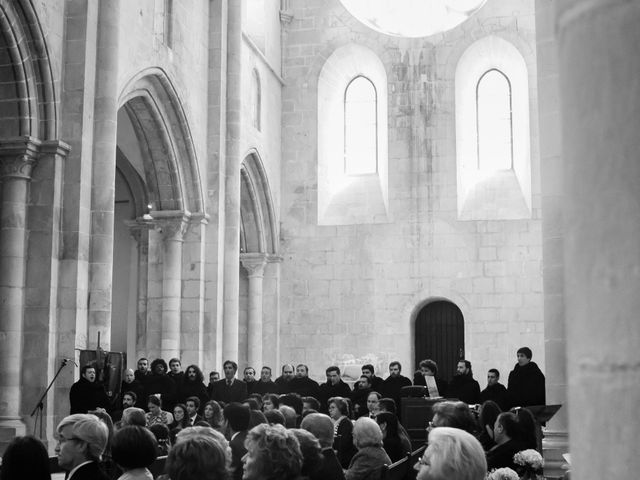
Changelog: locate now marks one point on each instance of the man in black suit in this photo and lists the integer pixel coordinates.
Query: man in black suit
(265, 384)
(303, 385)
(82, 439)
(321, 426)
(87, 394)
(334, 387)
(237, 417)
(193, 406)
(229, 389)
(495, 391)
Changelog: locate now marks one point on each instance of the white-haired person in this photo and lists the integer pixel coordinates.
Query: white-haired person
(452, 454)
(82, 439)
(200, 453)
(273, 453)
(368, 461)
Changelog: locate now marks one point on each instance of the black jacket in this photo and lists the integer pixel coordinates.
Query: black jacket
(330, 468)
(189, 388)
(391, 388)
(465, 388)
(162, 384)
(526, 386)
(85, 395)
(496, 393)
(327, 391)
(305, 387)
(418, 379)
(224, 393)
(137, 388)
(264, 387)
(90, 471)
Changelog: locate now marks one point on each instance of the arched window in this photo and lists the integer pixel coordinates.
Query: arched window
(494, 122)
(255, 99)
(360, 127)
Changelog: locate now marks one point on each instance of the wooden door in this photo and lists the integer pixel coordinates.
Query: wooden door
(439, 335)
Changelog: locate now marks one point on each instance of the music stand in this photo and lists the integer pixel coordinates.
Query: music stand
(543, 413)
(37, 410)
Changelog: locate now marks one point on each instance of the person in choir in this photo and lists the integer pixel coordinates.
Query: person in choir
(175, 371)
(526, 385)
(265, 384)
(321, 427)
(192, 385)
(334, 387)
(429, 368)
(360, 395)
(463, 386)
(368, 371)
(82, 439)
(452, 454)
(142, 370)
(229, 389)
(283, 382)
(131, 384)
(394, 382)
(249, 377)
(159, 383)
(87, 394)
(303, 385)
(495, 391)
(213, 378)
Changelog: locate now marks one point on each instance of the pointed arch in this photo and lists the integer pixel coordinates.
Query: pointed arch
(25, 63)
(258, 226)
(171, 169)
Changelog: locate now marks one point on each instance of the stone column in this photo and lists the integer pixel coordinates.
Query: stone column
(17, 158)
(173, 226)
(232, 182)
(254, 264)
(103, 175)
(139, 230)
(600, 94)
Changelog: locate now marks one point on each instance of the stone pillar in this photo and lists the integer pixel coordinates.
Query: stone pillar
(232, 182)
(139, 230)
(600, 94)
(17, 158)
(103, 175)
(254, 264)
(173, 226)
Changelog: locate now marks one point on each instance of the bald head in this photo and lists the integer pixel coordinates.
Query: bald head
(321, 426)
(129, 375)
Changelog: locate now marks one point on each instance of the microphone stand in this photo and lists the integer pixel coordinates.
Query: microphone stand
(38, 409)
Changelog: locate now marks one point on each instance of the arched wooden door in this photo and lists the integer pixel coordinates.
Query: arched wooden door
(439, 335)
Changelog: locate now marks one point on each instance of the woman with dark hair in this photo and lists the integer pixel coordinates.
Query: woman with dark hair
(159, 383)
(192, 385)
(134, 449)
(270, 402)
(180, 417)
(342, 429)
(156, 414)
(161, 432)
(527, 429)
(213, 415)
(429, 368)
(489, 411)
(273, 453)
(391, 442)
(25, 457)
(311, 450)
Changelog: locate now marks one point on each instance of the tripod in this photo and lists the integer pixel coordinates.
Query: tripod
(37, 410)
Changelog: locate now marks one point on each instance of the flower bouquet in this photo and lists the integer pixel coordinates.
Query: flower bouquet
(530, 464)
(502, 474)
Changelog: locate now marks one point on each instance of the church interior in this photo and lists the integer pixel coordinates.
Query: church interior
(327, 182)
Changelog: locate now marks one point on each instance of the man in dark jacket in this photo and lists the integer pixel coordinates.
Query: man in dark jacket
(495, 391)
(132, 384)
(237, 417)
(283, 382)
(394, 382)
(334, 387)
(463, 386)
(359, 396)
(303, 385)
(265, 384)
(322, 427)
(160, 383)
(87, 394)
(229, 389)
(81, 441)
(376, 382)
(526, 382)
(192, 385)
(505, 433)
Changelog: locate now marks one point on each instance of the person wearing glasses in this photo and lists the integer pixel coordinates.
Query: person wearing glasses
(82, 439)
(452, 454)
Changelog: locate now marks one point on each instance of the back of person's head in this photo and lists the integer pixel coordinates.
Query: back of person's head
(276, 452)
(367, 433)
(391, 423)
(25, 457)
(90, 430)
(321, 426)
(454, 414)
(237, 416)
(133, 416)
(275, 417)
(257, 417)
(387, 404)
(526, 351)
(290, 417)
(454, 454)
(526, 428)
(292, 400)
(489, 411)
(509, 424)
(258, 398)
(201, 430)
(161, 432)
(252, 403)
(313, 402)
(198, 455)
(311, 451)
(134, 447)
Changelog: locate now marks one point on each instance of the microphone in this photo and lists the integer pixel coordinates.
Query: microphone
(65, 361)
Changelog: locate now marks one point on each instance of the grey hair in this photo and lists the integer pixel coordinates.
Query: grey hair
(367, 433)
(90, 429)
(455, 455)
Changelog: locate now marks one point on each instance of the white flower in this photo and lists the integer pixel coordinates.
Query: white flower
(502, 474)
(529, 458)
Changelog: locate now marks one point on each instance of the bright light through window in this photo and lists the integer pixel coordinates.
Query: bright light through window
(495, 135)
(360, 128)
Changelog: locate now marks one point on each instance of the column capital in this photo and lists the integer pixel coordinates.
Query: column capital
(172, 224)
(18, 156)
(254, 263)
(138, 229)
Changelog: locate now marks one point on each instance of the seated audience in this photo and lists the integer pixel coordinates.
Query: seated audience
(213, 415)
(452, 454)
(389, 405)
(321, 427)
(453, 414)
(391, 441)
(275, 417)
(342, 430)
(133, 416)
(372, 403)
(82, 438)
(270, 401)
(156, 414)
(258, 398)
(193, 407)
(376, 382)
(134, 449)
(290, 417)
(505, 434)
(180, 417)
(311, 453)
(367, 463)
(200, 453)
(359, 397)
(528, 429)
(237, 417)
(489, 411)
(25, 458)
(310, 403)
(273, 453)
(292, 400)
(161, 433)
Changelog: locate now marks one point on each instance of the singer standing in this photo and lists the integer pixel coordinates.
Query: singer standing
(87, 394)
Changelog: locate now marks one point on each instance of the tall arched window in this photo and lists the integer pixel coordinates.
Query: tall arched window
(494, 121)
(360, 127)
(255, 99)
